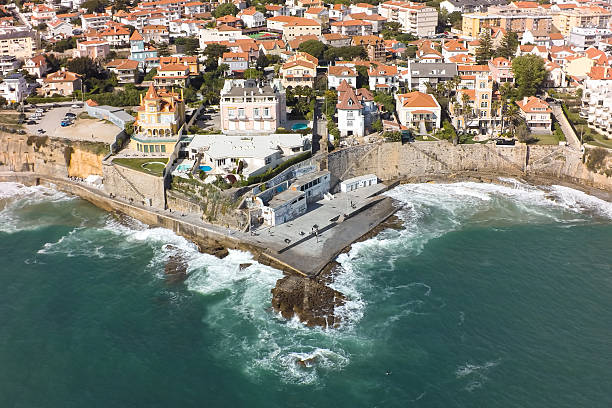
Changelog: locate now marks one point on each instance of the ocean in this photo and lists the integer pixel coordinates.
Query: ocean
(491, 295)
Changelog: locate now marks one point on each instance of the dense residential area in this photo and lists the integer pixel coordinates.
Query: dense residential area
(234, 92)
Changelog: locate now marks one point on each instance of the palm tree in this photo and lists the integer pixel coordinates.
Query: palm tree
(495, 107)
(514, 117)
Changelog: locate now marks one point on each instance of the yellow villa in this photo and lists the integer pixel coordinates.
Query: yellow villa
(160, 116)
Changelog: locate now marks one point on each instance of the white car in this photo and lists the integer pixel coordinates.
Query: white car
(75, 106)
(39, 110)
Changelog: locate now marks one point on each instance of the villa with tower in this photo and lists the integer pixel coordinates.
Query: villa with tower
(161, 115)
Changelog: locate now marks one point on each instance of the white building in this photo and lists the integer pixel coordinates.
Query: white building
(338, 73)
(14, 88)
(355, 183)
(582, 37)
(252, 18)
(418, 111)
(415, 18)
(597, 100)
(245, 155)
(356, 110)
(8, 63)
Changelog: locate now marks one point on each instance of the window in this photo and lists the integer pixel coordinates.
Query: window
(483, 85)
(256, 112)
(163, 148)
(483, 104)
(146, 148)
(231, 113)
(349, 123)
(241, 112)
(485, 96)
(266, 112)
(350, 115)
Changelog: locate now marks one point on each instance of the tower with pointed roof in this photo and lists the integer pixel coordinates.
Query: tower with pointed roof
(161, 115)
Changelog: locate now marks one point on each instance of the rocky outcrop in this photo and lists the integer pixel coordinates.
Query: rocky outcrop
(176, 268)
(312, 302)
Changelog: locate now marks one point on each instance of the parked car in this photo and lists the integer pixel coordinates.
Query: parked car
(65, 123)
(76, 105)
(39, 110)
(30, 122)
(41, 131)
(70, 115)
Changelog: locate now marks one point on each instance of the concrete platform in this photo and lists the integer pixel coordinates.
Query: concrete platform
(340, 222)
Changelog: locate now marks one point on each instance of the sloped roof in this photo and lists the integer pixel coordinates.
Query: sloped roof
(533, 104)
(417, 99)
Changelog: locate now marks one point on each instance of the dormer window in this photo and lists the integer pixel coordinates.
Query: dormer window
(350, 102)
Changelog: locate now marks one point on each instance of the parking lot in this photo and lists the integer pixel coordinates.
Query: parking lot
(90, 129)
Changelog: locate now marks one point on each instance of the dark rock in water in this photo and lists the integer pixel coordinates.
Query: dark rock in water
(307, 363)
(311, 301)
(245, 265)
(220, 252)
(176, 268)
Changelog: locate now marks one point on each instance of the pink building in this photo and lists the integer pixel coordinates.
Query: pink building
(93, 49)
(501, 70)
(250, 107)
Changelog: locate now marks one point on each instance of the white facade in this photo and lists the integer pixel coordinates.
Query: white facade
(252, 20)
(351, 122)
(355, 183)
(597, 104)
(415, 18)
(14, 88)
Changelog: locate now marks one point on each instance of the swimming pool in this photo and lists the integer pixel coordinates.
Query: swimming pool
(299, 126)
(205, 168)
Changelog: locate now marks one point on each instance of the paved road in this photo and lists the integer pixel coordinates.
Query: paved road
(569, 133)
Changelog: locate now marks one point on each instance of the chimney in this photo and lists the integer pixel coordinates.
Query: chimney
(525, 100)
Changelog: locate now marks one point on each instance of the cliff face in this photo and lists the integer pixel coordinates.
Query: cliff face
(428, 159)
(47, 156)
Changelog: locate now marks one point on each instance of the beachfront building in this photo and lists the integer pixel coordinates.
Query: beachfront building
(597, 100)
(419, 111)
(14, 88)
(356, 110)
(161, 114)
(145, 55)
(248, 106)
(536, 113)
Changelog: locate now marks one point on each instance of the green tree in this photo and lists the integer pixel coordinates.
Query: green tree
(262, 61)
(508, 45)
(377, 126)
(455, 19)
(313, 47)
(212, 52)
(84, 66)
(345, 53)
(253, 73)
(529, 74)
(149, 76)
(94, 6)
(484, 52)
(386, 100)
(363, 78)
(225, 10)
(189, 45)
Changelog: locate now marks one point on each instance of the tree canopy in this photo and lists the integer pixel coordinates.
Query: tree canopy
(529, 74)
(313, 47)
(508, 46)
(484, 52)
(225, 10)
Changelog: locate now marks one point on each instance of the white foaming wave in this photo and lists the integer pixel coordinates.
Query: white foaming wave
(34, 193)
(476, 374)
(82, 241)
(578, 201)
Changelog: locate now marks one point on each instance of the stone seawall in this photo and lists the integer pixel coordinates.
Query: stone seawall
(421, 161)
(133, 185)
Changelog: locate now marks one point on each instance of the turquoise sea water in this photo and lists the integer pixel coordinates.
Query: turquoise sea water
(491, 296)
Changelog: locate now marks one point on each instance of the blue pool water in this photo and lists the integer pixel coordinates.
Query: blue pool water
(205, 168)
(299, 126)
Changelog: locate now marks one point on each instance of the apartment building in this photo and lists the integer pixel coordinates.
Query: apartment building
(472, 110)
(374, 46)
(582, 38)
(94, 21)
(14, 88)
(591, 17)
(301, 28)
(21, 44)
(352, 28)
(248, 106)
(126, 70)
(237, 62)
(95, 49)
(415, 18)
(597, 100)
(252, 18)
(473, 23)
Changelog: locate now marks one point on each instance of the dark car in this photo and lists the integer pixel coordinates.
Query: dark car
(41, 131)
(505, 142)
(70, 115)
(30, 122)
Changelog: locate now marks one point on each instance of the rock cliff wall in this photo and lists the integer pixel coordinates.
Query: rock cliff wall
(48, 156)
(423, 160)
